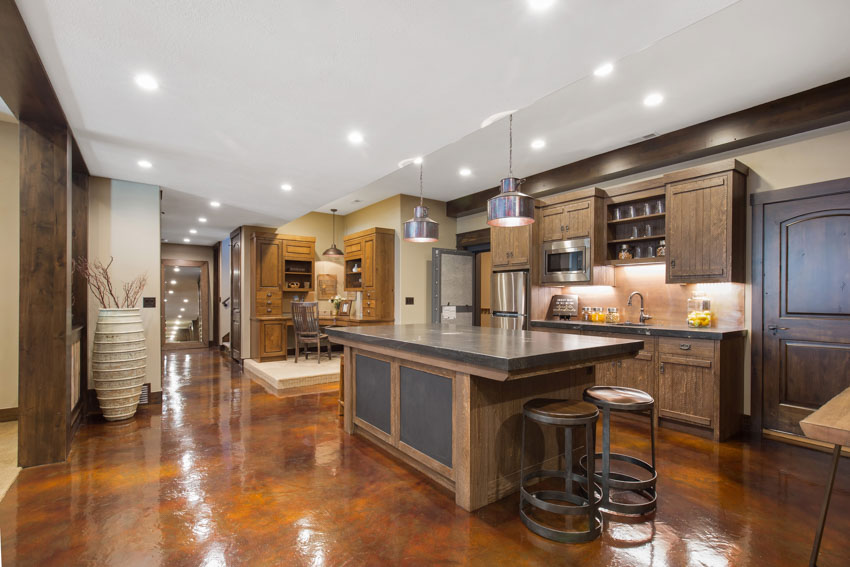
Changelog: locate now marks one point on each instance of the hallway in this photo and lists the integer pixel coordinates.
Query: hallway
(228, 474)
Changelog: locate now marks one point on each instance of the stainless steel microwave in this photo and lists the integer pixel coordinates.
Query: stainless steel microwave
(566, 261)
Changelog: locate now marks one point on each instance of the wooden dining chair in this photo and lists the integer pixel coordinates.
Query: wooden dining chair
(305, 319)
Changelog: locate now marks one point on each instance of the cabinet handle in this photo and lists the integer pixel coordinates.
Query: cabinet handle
(269, 294)
(268, 302)
(672, 263)
(268, 310)
(567, 228)
(661, 369)
(685, 346)
(620, 363)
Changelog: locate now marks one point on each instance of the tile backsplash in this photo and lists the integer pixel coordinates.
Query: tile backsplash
(667, 303)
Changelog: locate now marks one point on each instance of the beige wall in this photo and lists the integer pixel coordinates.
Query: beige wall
(200, 254)
(124, 223)
(415, 272)
(10, 260)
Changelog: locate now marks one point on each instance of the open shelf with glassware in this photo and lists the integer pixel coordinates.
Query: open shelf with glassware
(298, 275)
(636, 229)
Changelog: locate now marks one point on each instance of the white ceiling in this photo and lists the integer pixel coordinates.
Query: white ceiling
(255, 94)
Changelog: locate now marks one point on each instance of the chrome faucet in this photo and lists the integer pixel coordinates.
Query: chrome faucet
(643, 316)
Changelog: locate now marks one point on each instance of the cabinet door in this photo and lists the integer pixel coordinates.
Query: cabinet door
(697, 230)
(606, 374)
(578, 220)
(269, 268)
(553, 223)
(272, 338)
(520, 246)
(369, 262)
(686, 389)
(638, 373)
(500, 246)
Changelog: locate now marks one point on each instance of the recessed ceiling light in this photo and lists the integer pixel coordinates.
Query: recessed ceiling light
(180, 316)
(193, 231)
(496, 117)
(176, 269)
(408, 161)
(187, 240)
(355, 137)
(170, 291)
(215, 204)
(604, 70)
(540, 4)
(202, 219)
(465, 172)
(185, 301)
(538, 144)
(173, 282)
(145, 164)
(653, 99)
(286, 187)
(147, 82)
(165, 300)
(182, 309)
(355, 201)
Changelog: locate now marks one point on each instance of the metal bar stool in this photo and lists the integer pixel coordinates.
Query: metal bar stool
(615, 398)
(568, 414)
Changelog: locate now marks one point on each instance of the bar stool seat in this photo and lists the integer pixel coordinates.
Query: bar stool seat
(568, 414)
(618, 398)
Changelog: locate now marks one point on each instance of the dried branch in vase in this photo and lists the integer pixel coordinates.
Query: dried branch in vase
(100, 283)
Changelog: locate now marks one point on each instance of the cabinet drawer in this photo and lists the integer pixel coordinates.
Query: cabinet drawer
(298, 250)
(370, 294)
(370, 303)
(353, 247)
(369, 312)
(700, 348)
(269, 303)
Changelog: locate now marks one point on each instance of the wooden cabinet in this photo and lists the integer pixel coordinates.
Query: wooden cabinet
(370, 269)
(570, 220)
(282, 267)
(511, 247)
(706, 229)
(696, 383)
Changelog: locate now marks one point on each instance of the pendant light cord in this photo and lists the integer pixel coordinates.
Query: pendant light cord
(511, 145)
(420, 185)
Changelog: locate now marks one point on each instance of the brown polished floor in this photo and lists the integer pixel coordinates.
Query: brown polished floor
(228, 474)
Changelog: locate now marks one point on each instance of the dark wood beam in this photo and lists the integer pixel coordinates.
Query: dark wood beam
(808, 110)
(473, 238)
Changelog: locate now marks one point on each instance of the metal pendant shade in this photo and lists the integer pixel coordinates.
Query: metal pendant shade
(510, 207)
(333, 250)
(421, 228)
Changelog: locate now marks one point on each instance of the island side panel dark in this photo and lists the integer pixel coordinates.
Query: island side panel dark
(373, 392)
(426, 413)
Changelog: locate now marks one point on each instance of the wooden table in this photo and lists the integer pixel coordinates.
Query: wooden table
(830, 424)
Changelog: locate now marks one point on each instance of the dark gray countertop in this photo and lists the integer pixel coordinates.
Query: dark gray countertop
(501, 349)
(679, 331)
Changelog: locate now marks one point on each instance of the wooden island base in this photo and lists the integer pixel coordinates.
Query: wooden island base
(460, 428)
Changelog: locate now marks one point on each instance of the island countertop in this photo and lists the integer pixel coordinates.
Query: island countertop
(500, 349)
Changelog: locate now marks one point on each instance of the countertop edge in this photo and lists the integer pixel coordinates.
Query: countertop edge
(656, 331)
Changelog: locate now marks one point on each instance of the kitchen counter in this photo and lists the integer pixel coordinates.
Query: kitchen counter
(447, 399)
(665, 330)
(497, 349)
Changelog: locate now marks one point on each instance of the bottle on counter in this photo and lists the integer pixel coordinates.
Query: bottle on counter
(585, 314)
(613, 315)
(662, 249)
(699, 310)
(598, 315)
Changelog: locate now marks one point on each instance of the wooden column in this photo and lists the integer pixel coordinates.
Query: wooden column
(45, 295)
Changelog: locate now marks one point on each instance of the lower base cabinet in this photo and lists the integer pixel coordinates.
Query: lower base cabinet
(697, 383)
(269, 339)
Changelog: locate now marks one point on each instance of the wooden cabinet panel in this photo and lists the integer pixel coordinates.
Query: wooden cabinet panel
(686, 389)
(698, 230)
(353, 247)
(268, 264)
(511, 247)
(552, 228)
(368, 262)
(500, 246)
(638, 373)
(298, 250)
(521, 246)
(578, 219)
(686, 347)
(272, 341)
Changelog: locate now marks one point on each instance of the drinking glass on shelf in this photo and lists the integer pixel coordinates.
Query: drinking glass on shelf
(616, 213)
(647, 230)
(639, 251)
(635, 232)
(643, 209)
(659, 206)
(628, 211)
(650, 251)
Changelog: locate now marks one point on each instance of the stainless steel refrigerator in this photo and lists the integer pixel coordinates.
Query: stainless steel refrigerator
(509, 300)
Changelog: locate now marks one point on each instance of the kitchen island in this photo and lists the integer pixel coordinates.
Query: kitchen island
(448, 400)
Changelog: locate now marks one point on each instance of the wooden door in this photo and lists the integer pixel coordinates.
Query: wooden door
(806, 307)
(686, 389)
(520, 245)
(500, 246)
(698, 216)
(578, 220)
(553, 223)
(236, 294)
(368, 266)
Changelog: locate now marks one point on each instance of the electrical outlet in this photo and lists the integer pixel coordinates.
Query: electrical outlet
(408, 301)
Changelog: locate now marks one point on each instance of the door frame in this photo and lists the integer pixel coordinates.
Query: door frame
(436, 289)
(758, 202)
(476, 241)
(205, 303)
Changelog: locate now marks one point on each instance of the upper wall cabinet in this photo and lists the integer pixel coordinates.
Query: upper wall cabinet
(511, 247)
(571, 220)
(706, 229)
(370, 268)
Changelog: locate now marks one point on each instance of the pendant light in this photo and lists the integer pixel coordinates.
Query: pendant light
(510, 207)
(421, 228)
(333, 250)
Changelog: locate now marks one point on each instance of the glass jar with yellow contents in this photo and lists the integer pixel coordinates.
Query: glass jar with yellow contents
(699, 310)
(612, 316)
